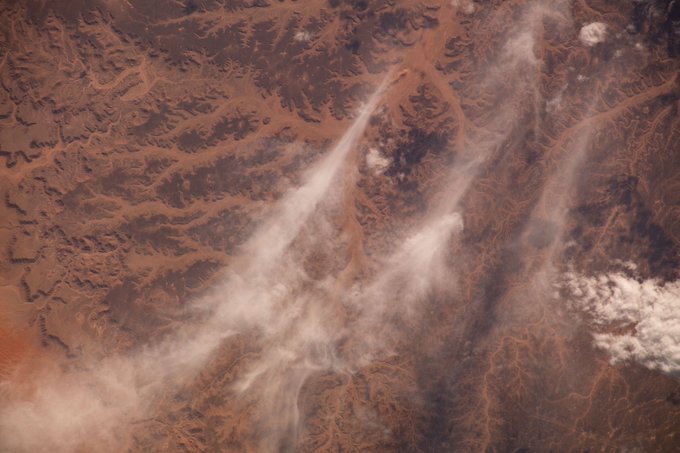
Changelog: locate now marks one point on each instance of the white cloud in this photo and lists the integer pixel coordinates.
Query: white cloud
(303, 36)
(464, 6)
(376, 161)
(635, 319)
(593, 33)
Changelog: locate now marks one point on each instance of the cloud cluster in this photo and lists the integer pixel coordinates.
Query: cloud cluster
(593, 33)
(464, 6)
(302, 36)
(376, 162)
(635, 319)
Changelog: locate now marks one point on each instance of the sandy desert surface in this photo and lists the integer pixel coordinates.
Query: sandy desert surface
(339, 226)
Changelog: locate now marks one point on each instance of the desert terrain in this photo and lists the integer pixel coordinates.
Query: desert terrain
(339, 226)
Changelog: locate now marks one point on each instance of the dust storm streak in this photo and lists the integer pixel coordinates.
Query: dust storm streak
(93, 404)
(398, 292)
(303, 336)
(379, 306)
(266, 295)
(294, 321)
(269, 242)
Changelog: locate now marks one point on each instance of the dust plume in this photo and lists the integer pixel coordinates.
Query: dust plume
(90, 404)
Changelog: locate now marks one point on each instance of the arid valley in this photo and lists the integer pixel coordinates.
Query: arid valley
(339, 226)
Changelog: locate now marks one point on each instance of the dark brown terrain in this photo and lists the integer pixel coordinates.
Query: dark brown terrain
(334, 225)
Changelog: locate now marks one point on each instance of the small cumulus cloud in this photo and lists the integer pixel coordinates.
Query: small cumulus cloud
(464, 6)
(593, 33)
(376, 162)
(303, 36)
(634, 319)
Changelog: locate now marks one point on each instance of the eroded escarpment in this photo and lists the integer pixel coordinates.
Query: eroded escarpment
(456, 267)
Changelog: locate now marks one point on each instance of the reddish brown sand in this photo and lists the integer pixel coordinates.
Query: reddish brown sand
(142, 142)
